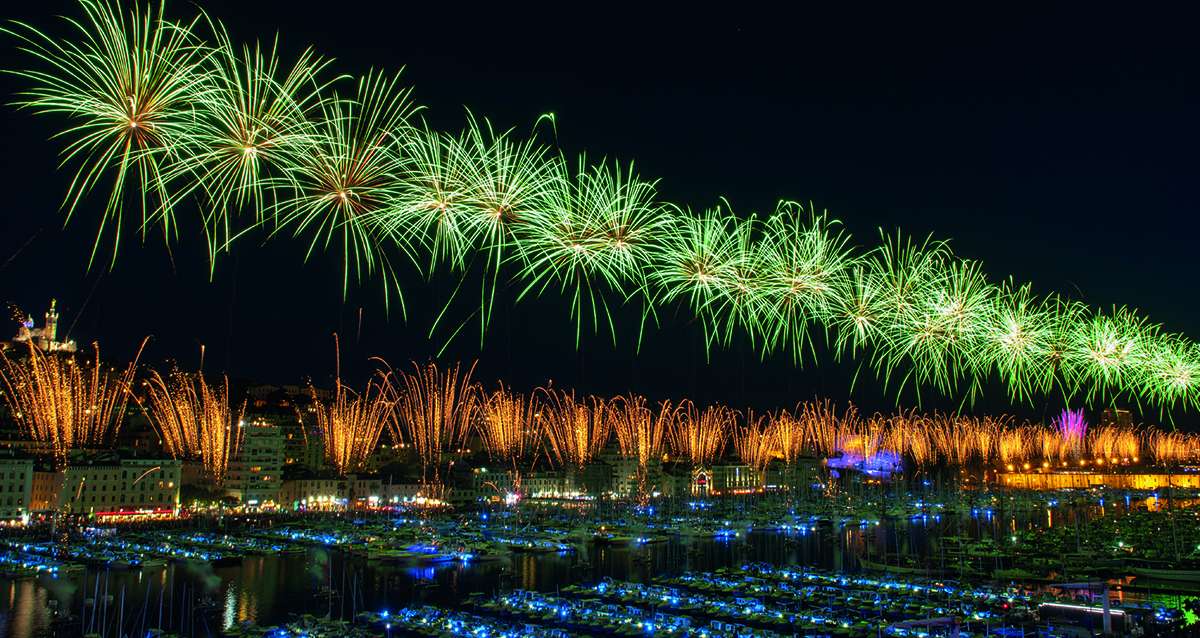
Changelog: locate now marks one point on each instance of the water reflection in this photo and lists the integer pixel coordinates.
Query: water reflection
(203, 600)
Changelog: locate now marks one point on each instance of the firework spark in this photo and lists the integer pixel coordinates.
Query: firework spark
(640, 432)
(66, 402)
(195, 420)
(575, 431)
(753, 442)
(255, 124)
(166, 114)
(1170, 448)
(128, 83)
(434, 410)
(700, 436)
(509, 424)
(351, 423)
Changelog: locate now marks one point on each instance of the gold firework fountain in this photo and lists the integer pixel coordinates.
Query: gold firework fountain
(787, 436)
(351, 423)
(641, 433)
(1016, 444)
(823, 432)
(64, 402)
(754, 443)
(575, 431)
(700, 437)
(1114, 444)
(433, 410)
(195, 420)
(509, 426)
(1171, 448)
(1049, 444)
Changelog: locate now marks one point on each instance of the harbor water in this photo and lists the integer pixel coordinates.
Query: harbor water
(198, 599)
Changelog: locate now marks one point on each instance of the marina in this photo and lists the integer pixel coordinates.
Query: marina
(716, 567)
(383, 320)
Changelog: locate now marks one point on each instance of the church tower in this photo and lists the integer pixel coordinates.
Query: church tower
(50, 330)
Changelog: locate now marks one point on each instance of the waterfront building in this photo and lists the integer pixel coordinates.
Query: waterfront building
(290, 408)
(363, 491)
(46, 337)
(36, 449)
(44, 490)
(550, 485)
(734, 478)
(291, 397)
(393, 493)
(16, 487)
(302, 448)
(486, 484)
(1084, 480)
(15, 439)
(676, 481)
(303, 489)
(617, 476)
(386, 455)
(109, 485)
(490, 484)
(801, 474)
(595, 478)
(138, 434)
(254, 476)
(623, 474)
(726, 479)
(197, 483)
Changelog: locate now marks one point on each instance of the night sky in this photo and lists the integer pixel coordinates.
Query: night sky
(1059, 146)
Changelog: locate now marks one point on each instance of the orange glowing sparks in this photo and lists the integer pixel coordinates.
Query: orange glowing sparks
(195, 420)
(509, 425)
(699, 436)
(433, 410)
(350, 424)
(65, 402)
(753, 442)
(575, 431)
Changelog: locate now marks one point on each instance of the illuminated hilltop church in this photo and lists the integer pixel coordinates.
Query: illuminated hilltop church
(46, 337)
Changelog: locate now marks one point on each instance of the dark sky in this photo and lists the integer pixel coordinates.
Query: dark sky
(1058, 145)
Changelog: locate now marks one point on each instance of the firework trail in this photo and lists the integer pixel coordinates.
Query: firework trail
(574, 431)
(66, 402)
(434, 411)
(195, 420)
(351, 423)
(162, 110)
(699, 436)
